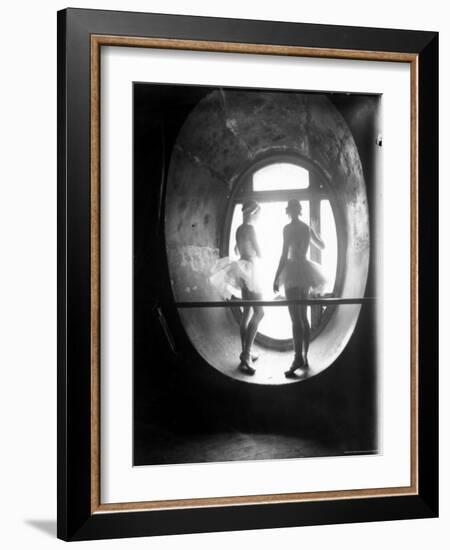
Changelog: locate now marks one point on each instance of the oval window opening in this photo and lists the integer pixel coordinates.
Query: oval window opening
(210, 176)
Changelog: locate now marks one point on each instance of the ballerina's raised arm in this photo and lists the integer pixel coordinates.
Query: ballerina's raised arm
(315, 239)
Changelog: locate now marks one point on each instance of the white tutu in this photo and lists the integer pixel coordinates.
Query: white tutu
(229, 277)
(304, 274)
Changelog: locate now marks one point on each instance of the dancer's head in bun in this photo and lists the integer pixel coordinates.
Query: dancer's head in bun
(250, 210)
(293, 208)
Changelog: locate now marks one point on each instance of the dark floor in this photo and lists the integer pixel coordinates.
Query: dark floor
(161, 447)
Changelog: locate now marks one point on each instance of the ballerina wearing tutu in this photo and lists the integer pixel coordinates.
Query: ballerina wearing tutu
(299, 276)
(249, 251)
(243, 275)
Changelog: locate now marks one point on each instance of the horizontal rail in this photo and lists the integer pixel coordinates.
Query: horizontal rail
(275, 303)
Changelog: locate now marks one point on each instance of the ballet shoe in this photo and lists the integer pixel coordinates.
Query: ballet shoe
(290, 373)
(297, 364)
(244, 366)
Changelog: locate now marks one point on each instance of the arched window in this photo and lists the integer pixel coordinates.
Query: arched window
(272, 183)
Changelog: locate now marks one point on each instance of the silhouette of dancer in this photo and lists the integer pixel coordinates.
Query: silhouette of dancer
(244, 274)
(299, 276)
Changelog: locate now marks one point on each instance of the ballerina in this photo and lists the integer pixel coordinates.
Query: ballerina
(299, 276)
(244, 275)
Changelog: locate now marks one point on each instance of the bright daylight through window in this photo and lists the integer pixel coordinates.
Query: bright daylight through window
(283, 176)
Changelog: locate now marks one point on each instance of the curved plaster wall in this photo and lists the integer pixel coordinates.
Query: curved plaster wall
(223, 136)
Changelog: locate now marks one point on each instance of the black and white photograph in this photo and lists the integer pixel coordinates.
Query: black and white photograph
(224, 278)
(255, 259)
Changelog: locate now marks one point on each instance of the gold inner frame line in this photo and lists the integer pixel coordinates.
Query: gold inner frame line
(97, 41)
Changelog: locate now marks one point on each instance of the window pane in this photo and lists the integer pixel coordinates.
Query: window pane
(276, 322)
(329, 237)
(281, 176)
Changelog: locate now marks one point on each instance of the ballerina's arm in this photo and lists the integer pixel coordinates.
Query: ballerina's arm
(316, 239)
(254, 241)
(237, 237)
(282, 262)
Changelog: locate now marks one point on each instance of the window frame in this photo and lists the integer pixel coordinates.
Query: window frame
(320, 188)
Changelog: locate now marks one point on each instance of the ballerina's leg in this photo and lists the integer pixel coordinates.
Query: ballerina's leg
(246, 314)
(252, 326)
(297, 326)
(252, 329)
(306, 331)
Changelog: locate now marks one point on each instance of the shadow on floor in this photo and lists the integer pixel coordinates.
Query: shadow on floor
(46, 526)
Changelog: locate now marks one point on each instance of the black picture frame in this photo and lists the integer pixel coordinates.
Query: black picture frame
(77, 517)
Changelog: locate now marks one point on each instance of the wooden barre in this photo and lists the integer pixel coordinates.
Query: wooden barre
(275, 303)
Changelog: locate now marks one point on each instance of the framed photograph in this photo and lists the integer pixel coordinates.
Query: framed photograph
(247, 257)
